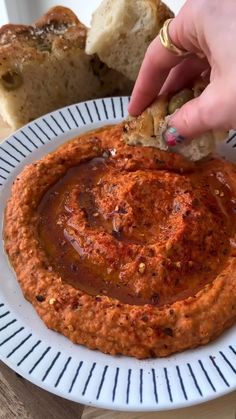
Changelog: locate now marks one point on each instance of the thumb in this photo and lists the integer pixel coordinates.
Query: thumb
(210, 111)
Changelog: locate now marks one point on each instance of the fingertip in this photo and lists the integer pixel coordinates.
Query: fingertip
(138, 103)
(132, 110)
(189, 121)
(172, 137)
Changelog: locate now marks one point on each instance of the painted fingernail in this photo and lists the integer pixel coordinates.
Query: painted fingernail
(172, 137)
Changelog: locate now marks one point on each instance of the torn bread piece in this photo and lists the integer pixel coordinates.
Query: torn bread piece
(148, 128)
(121, 31)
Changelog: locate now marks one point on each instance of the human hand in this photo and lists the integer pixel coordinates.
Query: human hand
(203, 26)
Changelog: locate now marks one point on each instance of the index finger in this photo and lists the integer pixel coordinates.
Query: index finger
(155, 68)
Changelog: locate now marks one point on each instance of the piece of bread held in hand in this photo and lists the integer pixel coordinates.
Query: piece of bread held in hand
(121, 31)
(148, 128)
(44, 67)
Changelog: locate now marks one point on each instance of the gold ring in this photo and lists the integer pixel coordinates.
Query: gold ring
(167, 42)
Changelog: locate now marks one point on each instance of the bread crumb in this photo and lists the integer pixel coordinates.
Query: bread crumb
(141, 268)
(52, 301)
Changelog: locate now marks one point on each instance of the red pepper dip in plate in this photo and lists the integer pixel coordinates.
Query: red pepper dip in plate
(128, 250)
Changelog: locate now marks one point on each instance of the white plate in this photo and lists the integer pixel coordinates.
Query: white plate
(72, 371)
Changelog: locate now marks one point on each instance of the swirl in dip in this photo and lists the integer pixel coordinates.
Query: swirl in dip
(126, 250)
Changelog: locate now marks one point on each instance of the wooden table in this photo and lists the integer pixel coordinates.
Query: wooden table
(23, 400)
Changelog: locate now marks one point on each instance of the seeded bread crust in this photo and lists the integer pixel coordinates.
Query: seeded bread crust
(44, 67)
(56, 29)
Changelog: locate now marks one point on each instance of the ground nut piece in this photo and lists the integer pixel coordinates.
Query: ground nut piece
(52, 301)
(11, 80)
(179, 100)
(142, 268)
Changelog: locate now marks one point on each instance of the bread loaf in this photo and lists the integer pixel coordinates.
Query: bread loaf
(121, 31)
(44, 67)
